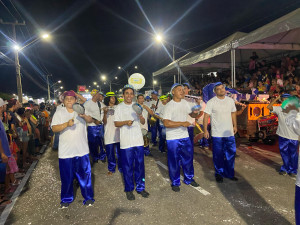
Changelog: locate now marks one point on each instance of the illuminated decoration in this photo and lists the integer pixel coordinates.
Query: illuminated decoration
(137, 80)
(81, 88)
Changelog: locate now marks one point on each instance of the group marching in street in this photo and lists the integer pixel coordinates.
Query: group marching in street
(117, 131)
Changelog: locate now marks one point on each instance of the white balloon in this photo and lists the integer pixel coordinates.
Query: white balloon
(137, 80)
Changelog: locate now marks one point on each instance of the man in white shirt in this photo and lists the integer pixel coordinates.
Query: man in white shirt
(94, 108)
(144, 127)
(292, 120)
(111, 133)
(155, 103)
(193, 102)
(222, 112)
(73, 151)
(131, 144)
(180, 151)
(161, 127)
(288, 140)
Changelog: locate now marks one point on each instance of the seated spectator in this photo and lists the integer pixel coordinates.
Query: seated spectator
(261, 87)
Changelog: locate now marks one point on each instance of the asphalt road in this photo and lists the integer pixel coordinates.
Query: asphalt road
(261, 196)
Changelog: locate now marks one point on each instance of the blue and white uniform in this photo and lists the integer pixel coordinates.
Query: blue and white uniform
(112, 140)
(292, 120)
(95, 132)
(131, 148)
(73, 154)
(154, 128)
(180, 151)
(223, 141)
(288, 143)
(161, 128)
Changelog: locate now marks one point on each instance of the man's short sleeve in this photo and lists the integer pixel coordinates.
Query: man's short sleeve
(277, 109)
(167, 112)
(208, 108)
(56, 120)
(233, 108)
(117, 114)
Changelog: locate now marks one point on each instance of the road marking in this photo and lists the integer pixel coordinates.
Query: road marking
(200, 189)
(16, 194)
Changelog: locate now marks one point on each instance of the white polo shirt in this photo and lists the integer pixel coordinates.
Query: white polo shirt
(283, 130)
(111, 133)
(72, 140)
(220, 116)
(177, 112)
(92, 109)
(130, 136)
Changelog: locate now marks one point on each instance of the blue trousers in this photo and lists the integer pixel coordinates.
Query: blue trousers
(162, 138)
(191, 135)
(79, 168)
(132, 159)
(289, 154)
(95, 138)
(180, 153)
(111, 150)
(224, 150)
(56, 140)
(154, 132)
(297, 205)
(203, 142)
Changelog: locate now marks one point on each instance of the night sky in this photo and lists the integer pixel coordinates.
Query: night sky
(90, 38)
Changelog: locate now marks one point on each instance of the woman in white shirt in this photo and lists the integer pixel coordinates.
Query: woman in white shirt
(73, 151)
(111, 133)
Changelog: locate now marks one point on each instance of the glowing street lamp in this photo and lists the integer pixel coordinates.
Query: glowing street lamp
(95, 83)
(103, 77)
(159, 38)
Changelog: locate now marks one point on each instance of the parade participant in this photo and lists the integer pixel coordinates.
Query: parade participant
(73, 151)
(147, 102)
(144, 127)
(192, 102)
(222, 112)
(132, 145)
(111, 133)
(292, 120)
(94, 108)
(288, 140)
(154, 126)
(180, 151)
(161, 128)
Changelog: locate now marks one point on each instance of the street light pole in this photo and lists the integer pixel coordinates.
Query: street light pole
(48, 86)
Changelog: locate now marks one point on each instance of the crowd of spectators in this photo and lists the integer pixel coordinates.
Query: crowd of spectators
(24, 129)
(273, 78)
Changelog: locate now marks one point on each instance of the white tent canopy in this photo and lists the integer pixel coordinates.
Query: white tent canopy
(269, 41)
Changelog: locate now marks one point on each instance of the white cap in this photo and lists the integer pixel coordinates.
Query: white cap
(2, 103)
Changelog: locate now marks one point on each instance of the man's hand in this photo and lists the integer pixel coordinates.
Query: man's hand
(206, 134)
(186, 124)
(129, 122)
(234, 130)
(4, 158)
(153, 106)
(70, 123)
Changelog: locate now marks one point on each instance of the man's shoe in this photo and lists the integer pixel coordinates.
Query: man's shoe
(130, 196)
(143, 193)
(234, 178)
(219, 178)
(292, 174)
(176, 188)
(103, 160)
(283, 173)
(89, 203)
(64, 205)
(194, 184)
